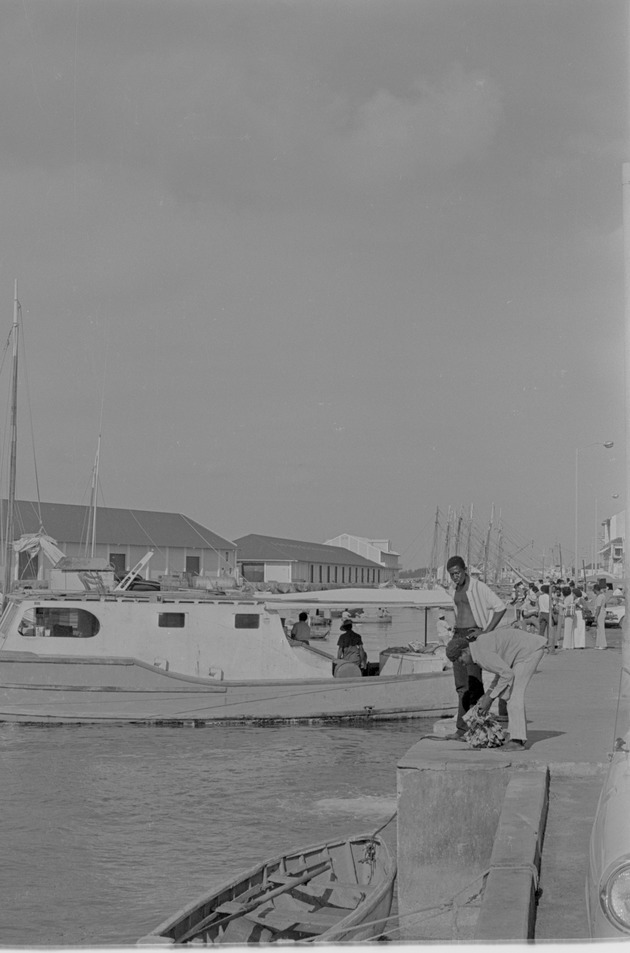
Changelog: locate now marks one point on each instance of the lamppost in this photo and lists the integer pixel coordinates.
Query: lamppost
(607, 444)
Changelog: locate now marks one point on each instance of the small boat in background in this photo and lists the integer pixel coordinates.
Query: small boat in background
(380, 616)
(338, 891)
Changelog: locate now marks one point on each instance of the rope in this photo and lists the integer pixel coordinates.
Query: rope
(383, 826)
(431, 911)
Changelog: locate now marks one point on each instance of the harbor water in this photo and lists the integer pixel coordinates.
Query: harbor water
(107, 830)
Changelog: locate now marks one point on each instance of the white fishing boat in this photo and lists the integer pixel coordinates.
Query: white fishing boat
(183, 658)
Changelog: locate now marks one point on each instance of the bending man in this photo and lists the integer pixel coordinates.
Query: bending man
(513, 656)
(477, 609)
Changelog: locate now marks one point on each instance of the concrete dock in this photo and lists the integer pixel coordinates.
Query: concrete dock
(524, 816)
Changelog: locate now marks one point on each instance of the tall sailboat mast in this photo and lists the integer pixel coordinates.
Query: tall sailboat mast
(8, 558)
(93, 497)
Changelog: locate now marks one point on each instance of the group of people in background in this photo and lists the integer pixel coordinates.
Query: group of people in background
(544, 612)
(557, 611)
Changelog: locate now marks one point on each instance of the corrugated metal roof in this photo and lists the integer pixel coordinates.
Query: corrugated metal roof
(254, 546)
(68, 523)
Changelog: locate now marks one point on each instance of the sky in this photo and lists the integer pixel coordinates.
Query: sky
(312, 267)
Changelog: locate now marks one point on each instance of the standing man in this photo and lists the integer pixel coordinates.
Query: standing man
(513, 656)
(477, 609)
(544, 608)
(601, 593)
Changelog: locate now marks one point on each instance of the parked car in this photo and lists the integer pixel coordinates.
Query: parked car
(608, 874)
(615, 611)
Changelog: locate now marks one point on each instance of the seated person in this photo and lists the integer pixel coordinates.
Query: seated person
(350, 646)
(301, 630)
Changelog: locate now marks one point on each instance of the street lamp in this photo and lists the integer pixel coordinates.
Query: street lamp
(607, 444)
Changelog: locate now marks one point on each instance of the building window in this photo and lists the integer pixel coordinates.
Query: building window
(59, 623)
(327, 573)
(171, 620)
(28, 565)
(119, 562)
(193, 565)
(311, 573)
(362, 577)
(336, 567)
(247, 620)
(321, 573)
(253, 572)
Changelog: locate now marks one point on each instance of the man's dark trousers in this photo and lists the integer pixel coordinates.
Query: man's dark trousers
(468, 680)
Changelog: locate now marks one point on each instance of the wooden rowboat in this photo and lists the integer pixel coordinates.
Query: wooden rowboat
(340, 890)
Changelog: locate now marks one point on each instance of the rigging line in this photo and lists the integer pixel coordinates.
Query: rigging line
(152, 543)
(420, 534)
(201, 536)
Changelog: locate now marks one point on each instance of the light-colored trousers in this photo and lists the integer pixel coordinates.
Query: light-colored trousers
(601, 642)
(523, 671)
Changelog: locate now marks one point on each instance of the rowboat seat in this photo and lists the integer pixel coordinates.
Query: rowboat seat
(304, 921)
(347, 896)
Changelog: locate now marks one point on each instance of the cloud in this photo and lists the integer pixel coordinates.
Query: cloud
(437, 126)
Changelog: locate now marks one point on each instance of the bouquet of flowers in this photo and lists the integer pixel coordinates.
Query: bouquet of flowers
(483, 731)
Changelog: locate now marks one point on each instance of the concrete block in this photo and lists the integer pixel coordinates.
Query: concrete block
(449, 804)
(518, 840)
(508, 907)
(508, 910)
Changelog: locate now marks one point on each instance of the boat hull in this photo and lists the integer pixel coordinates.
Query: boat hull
(61, 690)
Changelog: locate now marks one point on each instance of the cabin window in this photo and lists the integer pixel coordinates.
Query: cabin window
(247, 620)
(171, 620)
(59, 623)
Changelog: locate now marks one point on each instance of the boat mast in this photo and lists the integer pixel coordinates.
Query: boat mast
(8, 558)
(93, 496)
(447, 539)
(434, 550)
(498, 574)
(486, 552)
(469, 539)
(458, 531)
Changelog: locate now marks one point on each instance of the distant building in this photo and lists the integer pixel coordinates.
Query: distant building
(376, 550)
(613, 550)
(123, 536)
(270, 559)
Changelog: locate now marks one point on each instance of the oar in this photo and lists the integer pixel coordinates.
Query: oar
(252, 904)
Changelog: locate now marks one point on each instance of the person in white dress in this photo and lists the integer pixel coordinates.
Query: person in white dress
(579, 629)
(569, 617)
